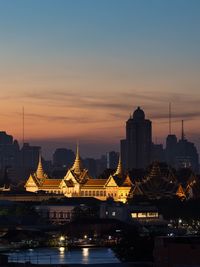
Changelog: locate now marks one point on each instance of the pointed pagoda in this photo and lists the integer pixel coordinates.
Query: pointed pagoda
(119, 171)
(75, 177)
(40, 172)
(39, 180)
(77, 166)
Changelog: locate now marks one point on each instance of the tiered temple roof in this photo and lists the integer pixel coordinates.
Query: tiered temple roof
(156, 184)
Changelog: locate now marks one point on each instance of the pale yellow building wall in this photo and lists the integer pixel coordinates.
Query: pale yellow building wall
(101, 193)
(32, 188)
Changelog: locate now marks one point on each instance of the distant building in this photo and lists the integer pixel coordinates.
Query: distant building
(56, 213)
(182, 153)
(124, 154)
(28, 158)
(63, 158)
(115, 210)
(91, 165)
(101, 165)
(145, 213)
(157, 153)
(171, 149)
(186, 155)
(9, 156)
(136, 148)
(112, 159)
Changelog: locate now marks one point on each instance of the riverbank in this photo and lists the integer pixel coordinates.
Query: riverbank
(125, 264)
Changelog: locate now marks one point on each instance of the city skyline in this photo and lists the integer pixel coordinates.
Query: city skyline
(80, 72)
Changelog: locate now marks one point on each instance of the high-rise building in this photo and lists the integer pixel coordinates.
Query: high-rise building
(171, 149)
(9, 151)
(9, 156)
(136, 148)
(112, 159)
(186, 155)
(29, 157)
(63, 158)
(181, 153)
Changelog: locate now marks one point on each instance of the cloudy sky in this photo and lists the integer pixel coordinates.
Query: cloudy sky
(80, 67)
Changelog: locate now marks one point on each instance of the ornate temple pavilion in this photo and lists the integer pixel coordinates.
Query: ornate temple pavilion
(157, 183)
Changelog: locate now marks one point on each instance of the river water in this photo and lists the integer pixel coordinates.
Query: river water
(62, 255)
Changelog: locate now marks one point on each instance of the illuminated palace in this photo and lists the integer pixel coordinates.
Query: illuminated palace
(78, 183)
(158, 182)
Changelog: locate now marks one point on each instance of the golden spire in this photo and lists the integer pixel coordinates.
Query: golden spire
(77, 166)
(119, 168)
(40, 171)
(180, 192)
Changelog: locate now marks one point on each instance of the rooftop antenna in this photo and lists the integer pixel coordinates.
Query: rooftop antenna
(22, 126)
(170, 117)
(182, 130)
(23, 165)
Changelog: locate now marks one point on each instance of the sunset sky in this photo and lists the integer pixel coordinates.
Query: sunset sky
(80, 67)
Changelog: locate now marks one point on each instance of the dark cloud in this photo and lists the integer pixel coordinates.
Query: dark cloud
(117, 106)
(183, 115)
(64, 119)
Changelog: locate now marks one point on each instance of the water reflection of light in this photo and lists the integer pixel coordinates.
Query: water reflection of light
(85, 253)
(62, 251)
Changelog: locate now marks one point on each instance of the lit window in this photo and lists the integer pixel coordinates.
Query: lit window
(106, 212)
(113, 213)
(142, 215)
(134, 215)
(152, 214)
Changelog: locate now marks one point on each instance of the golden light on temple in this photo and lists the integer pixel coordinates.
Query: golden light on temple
(78, 183)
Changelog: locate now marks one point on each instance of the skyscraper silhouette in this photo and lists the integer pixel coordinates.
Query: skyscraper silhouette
(136, 148)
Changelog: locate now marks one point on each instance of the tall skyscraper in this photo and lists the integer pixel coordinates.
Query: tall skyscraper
(171, 149)
(9, 156)
(136, 148)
